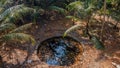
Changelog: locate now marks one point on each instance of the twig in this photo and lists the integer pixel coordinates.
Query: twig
(102, 29)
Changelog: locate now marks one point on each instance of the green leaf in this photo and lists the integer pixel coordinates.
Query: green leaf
(98, 44)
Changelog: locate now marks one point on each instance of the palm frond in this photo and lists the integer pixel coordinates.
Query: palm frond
(8, 3)
(20, 37)
(21, 28)
(73, 17)
(90, 8)
(73, 28)
(18, 14)
(10, 10)
(77, 5)
(59, 9)
(7, 26)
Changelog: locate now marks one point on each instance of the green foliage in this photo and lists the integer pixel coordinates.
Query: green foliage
(112, 9)
(98, 44)
(9, 10)
(61, 10)
(21, 28)
(115, 11)
(75, 6)
(73, 17)
(2, 2)
(81, 10)
(15, 13)
(10, 14)
(7, 26)
(12, 11)
(14, 34)
(17, 37)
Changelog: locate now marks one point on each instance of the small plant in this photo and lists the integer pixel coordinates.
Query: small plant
(98, 44)
(83, 11)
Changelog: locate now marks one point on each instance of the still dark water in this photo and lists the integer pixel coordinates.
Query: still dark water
(60, 51)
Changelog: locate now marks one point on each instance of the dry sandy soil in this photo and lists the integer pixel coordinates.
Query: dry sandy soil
(24, 56)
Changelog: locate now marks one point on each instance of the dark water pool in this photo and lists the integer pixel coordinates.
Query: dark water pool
(60, 51)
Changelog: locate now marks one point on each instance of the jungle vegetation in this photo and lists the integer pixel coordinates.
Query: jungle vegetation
(18, 15)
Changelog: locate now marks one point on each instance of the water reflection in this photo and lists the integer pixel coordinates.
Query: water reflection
(59, 51)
